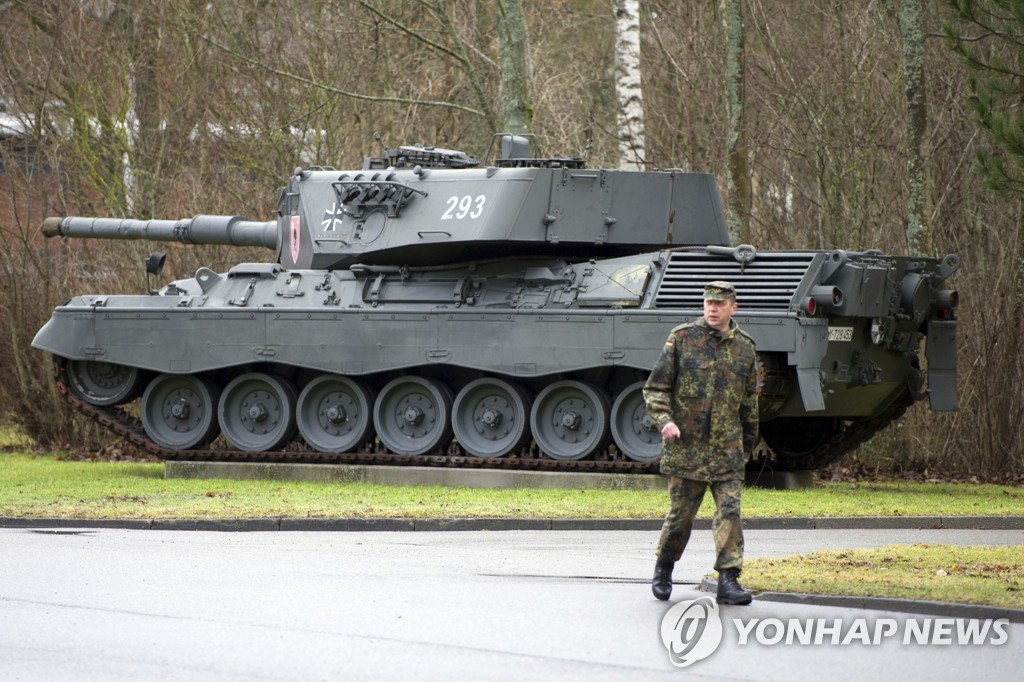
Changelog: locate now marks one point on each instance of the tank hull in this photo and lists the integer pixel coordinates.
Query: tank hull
(525, 323)
(527, 345)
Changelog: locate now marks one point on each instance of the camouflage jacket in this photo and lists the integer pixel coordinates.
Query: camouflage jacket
(706, 383)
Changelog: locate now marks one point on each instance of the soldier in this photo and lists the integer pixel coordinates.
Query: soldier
(702, 393)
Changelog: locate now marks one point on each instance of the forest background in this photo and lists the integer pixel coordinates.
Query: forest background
(877, 124)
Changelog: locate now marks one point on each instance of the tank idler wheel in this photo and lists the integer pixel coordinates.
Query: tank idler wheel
(569, 420)
(179, 411)
(634, 431)
(412, 415)
(335, 413)
(257, 412)
(104, 383)
(491, 416)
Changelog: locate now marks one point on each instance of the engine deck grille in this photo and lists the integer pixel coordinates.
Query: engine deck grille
(767, 283)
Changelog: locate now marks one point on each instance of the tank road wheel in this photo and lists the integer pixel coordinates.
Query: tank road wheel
(490, 417)
(179, 411)
(257, 412)
(634, 431)
(412, 415)
(569, 420)
(104, 383)
(335, 413)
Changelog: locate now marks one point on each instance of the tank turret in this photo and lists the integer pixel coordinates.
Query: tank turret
(434, 207)
(427, 206)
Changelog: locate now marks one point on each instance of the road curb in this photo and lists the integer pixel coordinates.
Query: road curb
(413, 475)
(923, 608)
(507, 524)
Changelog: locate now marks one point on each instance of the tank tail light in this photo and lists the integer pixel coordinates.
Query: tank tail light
(945, 303)
(822, 299)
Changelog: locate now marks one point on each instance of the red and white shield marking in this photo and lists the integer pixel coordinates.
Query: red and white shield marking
(293, 238)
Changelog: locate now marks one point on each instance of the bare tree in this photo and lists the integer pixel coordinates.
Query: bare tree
(738, 178)
(628, 84)
(912, 43)
(819, 141)
(514, 57)
(140, 166)
(988, 36)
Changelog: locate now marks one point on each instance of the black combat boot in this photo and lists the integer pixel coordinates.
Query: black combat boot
(661, 585)
(729, 589)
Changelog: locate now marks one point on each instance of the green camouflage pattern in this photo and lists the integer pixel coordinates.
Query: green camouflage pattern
(726, 527)
(719, 290)
(705, 381)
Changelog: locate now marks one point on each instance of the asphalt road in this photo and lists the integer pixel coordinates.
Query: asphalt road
(108, 604)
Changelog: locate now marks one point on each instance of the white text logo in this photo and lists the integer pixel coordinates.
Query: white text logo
(691, 631)
(818, 631)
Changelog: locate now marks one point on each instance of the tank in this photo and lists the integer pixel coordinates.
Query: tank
(427, 308)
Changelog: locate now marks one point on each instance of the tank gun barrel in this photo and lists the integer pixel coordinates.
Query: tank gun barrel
(202, 229)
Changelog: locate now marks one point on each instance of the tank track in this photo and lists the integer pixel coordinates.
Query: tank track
(846, 439)
(126, 426)
(121, 423)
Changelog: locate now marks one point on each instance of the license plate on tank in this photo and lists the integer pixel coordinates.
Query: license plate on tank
(840, 333)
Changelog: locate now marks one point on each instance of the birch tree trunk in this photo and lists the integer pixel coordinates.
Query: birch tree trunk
(912, 43)
(628, 84)
(141, 119)
(513, 51)
(738, 180)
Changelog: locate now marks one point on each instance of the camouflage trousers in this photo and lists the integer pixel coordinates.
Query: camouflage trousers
(686, 496)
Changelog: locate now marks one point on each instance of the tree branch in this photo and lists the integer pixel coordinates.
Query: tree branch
(418, 36)
(338, 91)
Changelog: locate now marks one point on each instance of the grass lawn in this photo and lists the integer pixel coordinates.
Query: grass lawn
(46, 487)
(992, 576)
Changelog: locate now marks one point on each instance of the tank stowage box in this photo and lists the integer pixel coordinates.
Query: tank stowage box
(425, 308)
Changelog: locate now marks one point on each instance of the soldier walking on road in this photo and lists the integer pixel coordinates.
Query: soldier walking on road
(702, 393)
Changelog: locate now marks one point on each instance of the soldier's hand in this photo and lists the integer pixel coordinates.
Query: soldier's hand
(670, 430)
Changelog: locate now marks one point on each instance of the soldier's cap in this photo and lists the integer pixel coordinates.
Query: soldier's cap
(719, 290)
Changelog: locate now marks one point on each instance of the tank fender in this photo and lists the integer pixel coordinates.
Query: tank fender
(809, 353)
(69, 336)
(940, 350)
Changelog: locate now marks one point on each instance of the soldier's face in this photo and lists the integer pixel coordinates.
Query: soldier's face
(719, 313)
